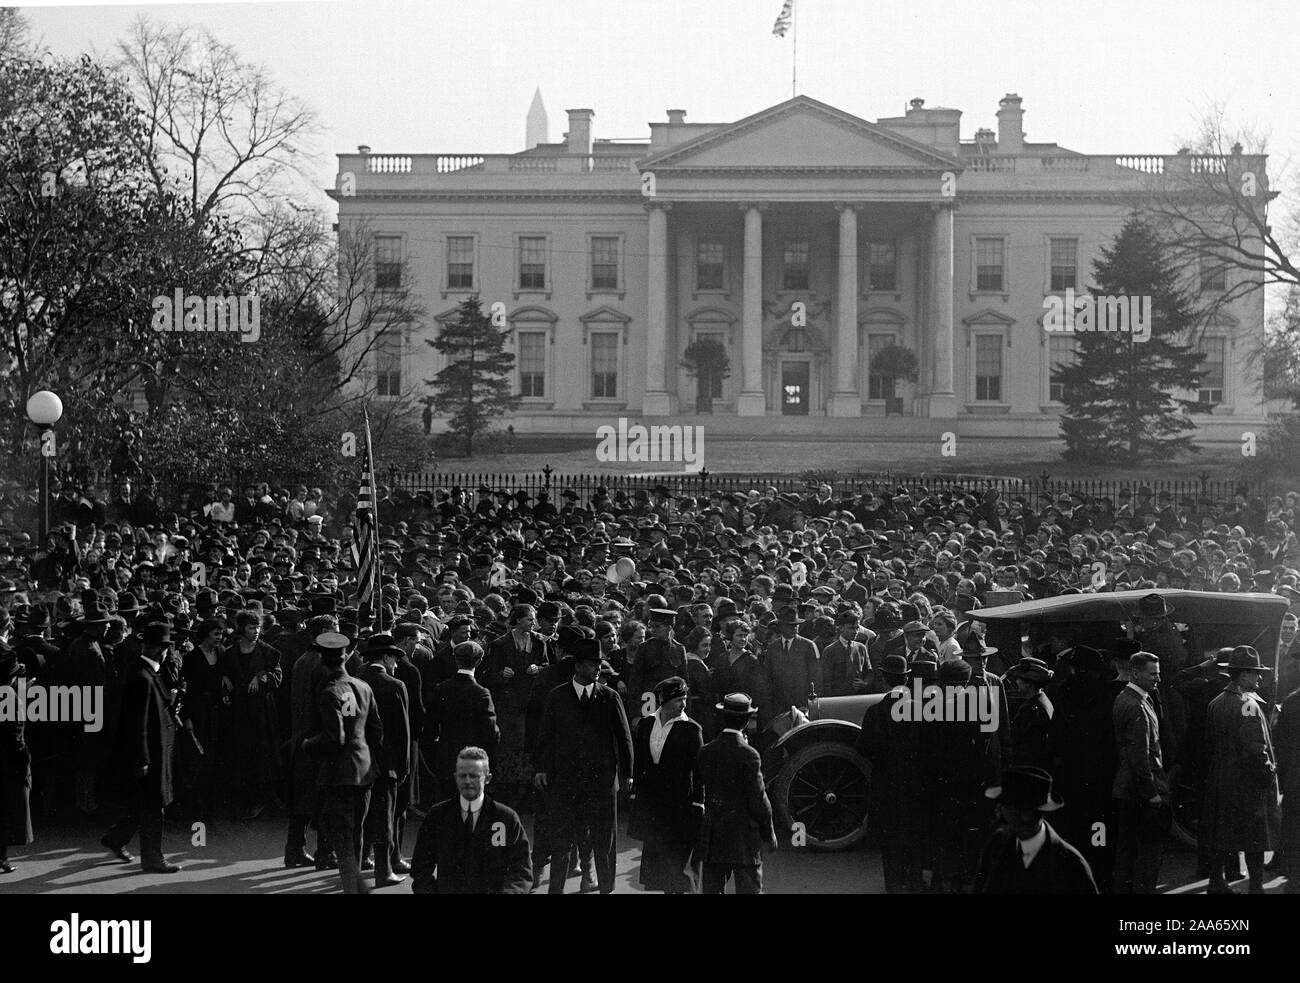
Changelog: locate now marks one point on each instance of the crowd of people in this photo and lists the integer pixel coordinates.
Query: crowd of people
(635, 649)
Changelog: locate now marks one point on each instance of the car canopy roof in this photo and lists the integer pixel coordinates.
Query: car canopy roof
(1191, 607)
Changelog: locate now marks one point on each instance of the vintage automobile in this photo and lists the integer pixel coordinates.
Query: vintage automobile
(818, 779)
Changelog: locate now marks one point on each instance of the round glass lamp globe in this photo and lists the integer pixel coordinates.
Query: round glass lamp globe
(44, 408)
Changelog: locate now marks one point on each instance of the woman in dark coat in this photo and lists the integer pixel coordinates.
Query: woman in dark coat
(15, 771)
(255, 672)
(207, 693)
(699, 680)
(1240, 804)
(669, 798)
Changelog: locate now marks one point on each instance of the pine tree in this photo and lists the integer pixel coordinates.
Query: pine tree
(1119, 393)
(475, 386)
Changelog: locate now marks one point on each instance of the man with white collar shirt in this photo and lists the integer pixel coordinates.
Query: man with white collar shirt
(470, 843)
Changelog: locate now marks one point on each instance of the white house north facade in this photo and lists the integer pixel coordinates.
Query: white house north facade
(803, 239)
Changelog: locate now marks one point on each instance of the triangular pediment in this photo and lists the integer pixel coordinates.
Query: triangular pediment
(805, 134)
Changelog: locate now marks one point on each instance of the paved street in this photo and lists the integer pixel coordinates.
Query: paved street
(245, 858)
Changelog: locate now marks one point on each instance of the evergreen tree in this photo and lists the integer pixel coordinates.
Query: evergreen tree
(475, 386)
(1119, 393)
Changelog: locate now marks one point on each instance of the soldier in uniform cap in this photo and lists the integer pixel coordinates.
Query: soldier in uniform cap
(660, 657)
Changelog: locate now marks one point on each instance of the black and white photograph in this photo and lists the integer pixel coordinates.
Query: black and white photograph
(788, 447)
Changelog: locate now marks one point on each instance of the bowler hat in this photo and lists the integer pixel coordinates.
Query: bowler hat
(1024, 787)
(895, 665)
(584, 650)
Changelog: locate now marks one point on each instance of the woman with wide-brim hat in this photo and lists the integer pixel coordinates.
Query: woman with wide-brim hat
(1239, 808)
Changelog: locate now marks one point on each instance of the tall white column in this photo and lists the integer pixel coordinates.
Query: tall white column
(751, 401)
(657, 401)
(846, 400)
(942, 400)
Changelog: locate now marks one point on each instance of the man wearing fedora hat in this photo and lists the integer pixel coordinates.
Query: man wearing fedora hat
(1240, 802)
(1026, 855)
(583, 753)
(142, 758)
(1141, 786)
(790, 670)
(84, 665)
(897, 809)
(1031, 727)
(737, 813)
(1287, 736)
(1154, 631)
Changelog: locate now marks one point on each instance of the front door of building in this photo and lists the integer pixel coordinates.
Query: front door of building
(794, 388)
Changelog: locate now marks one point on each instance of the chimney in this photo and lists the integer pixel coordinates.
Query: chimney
(578, 139)
(984, 139)
(1011, 125)
(917, 103)
(537, 129)
(363, 148)
(676, 117)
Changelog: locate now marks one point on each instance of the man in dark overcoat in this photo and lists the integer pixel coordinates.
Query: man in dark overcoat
(393, 759)
(737, 812)
(583, 756)
(461, 714)
(899, 819)
(1025, 855)
(142, 756)
(471, 844)
(1240, 800)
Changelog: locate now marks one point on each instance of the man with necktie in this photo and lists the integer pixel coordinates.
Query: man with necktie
(472, 844)
(584, 757)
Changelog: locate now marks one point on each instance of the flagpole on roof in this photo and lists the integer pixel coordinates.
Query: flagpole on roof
(794, 50)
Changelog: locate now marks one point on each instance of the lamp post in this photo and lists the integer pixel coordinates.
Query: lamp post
(44, 409)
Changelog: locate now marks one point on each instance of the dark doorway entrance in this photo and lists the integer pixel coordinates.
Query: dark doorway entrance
(794, 388)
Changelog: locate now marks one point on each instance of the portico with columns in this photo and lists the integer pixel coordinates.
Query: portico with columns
(793, 237)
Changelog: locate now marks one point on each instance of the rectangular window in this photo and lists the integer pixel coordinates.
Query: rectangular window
(460, 262)
(878, 385)
(1214, 369)
(532, 262)
(794, 260)
(604, 262)
(882, 266)
(1065, 264)
(710, 255)
(1214, 277)
(989, 264)
(388, 364)
(988, 368)
(532, 363)
(604, 365)
(388, 262)
(1060, 351)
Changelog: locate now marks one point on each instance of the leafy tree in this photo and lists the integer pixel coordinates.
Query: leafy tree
(474, 388)
(1120, 391)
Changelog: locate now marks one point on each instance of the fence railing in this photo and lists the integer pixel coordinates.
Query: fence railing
(1038, 492)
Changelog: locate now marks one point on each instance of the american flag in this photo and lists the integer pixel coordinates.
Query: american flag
(783, 19)
(365, 534)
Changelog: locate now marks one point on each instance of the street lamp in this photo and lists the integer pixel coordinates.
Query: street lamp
(44, 409)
